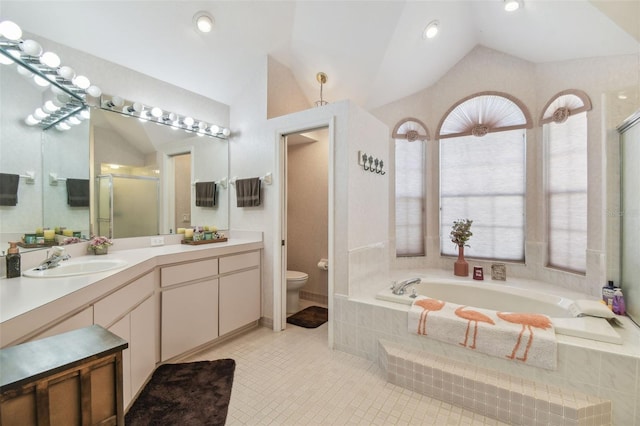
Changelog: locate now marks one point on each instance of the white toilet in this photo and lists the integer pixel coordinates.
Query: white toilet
(295, 281)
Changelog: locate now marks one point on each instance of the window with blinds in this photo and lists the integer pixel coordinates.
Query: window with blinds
(565, 140)
(482, 175)
(410, 136)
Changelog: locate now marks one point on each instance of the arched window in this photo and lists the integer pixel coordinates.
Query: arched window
(410, 135)
(482, 174)
(564, 124)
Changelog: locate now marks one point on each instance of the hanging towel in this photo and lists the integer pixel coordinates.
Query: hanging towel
(78, 192)
(206, 194)
(248, 192)
(9, 189)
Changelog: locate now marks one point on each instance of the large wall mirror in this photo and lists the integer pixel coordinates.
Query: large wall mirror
(145, 175)
(123, 158)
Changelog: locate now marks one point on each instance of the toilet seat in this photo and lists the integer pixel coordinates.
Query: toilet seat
(296, 276)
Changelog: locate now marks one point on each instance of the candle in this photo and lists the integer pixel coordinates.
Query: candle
(49, 234)
(188, 234)
(68, 232)
(39, 232)
(180, 230)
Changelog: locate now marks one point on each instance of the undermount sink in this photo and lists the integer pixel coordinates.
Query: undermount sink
(76, 268)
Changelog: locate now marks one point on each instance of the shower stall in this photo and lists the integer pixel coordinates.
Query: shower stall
(128, 205)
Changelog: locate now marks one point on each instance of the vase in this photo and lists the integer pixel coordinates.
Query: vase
(101, 250)
(461, 267)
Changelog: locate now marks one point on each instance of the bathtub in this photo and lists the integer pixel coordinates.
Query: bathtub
(505, 298)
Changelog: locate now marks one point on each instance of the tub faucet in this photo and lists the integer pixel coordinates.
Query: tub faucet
(53, 261)
(399, 288)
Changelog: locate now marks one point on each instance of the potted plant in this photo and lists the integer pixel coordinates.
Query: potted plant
(99, 245)
(460, 234)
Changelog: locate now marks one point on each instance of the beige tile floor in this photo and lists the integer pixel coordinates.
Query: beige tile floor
(293, 378)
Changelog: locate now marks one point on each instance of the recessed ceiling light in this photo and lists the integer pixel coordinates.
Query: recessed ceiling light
(431, 30)
(203, 21)
(511, 5)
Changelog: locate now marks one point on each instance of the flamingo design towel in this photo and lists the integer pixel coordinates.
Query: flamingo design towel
(522, 337)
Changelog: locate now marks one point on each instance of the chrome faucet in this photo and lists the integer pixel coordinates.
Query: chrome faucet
(53, 261)
(399, 288)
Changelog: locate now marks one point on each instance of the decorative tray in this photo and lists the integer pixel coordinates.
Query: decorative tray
(197, 243)
(34, 245)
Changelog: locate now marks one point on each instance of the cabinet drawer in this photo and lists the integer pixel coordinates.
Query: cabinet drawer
(122, 301)
(177, 274)
(239, 261)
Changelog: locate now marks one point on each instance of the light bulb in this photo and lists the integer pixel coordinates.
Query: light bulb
(50, 59)
(81, 82)
(188, 121)
(74, 121)
(226, 132)
(204, 22)
(85, 114)
(10, 30)
(40, 114)
(156, 112)
(62, 126)
(31, 47)
(431, 30)
(41, 81)
(215, 129)
(94, 91)
(63, 98)
(24, 72)
(4, 60)
(511, 5)
(66, 72)
(31, 120)
(50, 107)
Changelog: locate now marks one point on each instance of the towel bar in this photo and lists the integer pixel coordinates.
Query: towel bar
(29, 177)
(54, 179)
(266, 179)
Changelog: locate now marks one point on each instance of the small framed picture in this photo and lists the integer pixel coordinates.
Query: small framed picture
(498, 272)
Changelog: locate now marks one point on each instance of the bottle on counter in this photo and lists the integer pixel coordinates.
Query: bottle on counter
(607, 294)
(618, 305)
(13, 261)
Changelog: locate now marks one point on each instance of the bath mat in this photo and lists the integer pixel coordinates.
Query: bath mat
(194, 394)
(311, 317)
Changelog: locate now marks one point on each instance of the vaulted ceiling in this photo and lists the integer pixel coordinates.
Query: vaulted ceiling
(372, 51)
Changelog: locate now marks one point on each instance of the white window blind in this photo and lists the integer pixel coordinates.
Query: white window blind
(483, 179)
(566, 187)
(410, 217)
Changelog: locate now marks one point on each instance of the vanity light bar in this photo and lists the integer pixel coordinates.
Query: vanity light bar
(159, 116)
(70, 90)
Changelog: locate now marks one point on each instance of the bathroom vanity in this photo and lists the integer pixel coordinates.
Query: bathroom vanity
(167, 302)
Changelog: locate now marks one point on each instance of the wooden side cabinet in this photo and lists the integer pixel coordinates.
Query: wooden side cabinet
(74, 378)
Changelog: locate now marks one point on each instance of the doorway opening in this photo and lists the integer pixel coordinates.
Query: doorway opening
(305, 223)
(179, 185)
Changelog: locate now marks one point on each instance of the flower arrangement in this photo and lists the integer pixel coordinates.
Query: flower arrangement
(99, 243)
(461, 232)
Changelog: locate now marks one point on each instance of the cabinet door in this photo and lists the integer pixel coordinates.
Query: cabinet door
(142, 344)
(122, 329)
(189, 317)
(239, 300)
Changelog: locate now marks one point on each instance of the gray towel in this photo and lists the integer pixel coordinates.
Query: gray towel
(248, 192)
(78, 192)
(206, 194)
(9, 189)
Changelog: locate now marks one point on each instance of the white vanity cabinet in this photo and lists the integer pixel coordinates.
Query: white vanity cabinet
(189, 306)
(130, 313)
(239, 291)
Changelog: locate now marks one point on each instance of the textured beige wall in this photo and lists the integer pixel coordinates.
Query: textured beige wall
(284, 95)
(307, 210)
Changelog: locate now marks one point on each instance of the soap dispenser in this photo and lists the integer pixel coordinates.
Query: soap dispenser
(13, 261)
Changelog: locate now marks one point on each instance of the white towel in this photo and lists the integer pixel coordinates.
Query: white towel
(521, 337)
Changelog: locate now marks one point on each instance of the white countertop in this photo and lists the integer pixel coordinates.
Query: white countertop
(19, 296)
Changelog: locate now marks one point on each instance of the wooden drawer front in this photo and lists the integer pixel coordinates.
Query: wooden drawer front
(171, 275)
(239, 261)
(122, 301)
